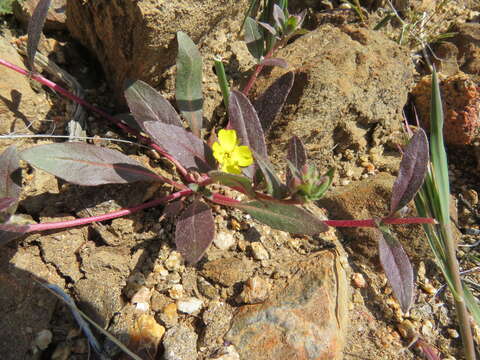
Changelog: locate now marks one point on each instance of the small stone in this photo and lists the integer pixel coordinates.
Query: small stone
(406, 329)
(256, 290)
(176, 291)
(358, 280)
(43, 339)
(229, 353)
(145, 335)
(207, 289)
(160, 269)
(421, 271)
(134, 283)
(159, 301)
(169, 315)
(428, 287)
(453, 333)
(189, 305)
(258, 251)
(427, 328)
(180, 342)
(228, 271)
(174, 261)
(142, 298)
(224, 240)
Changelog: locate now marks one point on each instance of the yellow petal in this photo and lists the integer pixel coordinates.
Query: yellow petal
(218, 152)
(231, 168)
(227, 139)
(242, 155)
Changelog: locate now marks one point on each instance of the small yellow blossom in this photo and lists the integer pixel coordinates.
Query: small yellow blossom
(231, 156)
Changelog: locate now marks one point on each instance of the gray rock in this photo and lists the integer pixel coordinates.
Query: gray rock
(180, 343)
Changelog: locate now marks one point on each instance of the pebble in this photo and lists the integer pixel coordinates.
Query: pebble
(427, 328)
(428, 288)
(207, 289)
(406, 330)
(229, 353)
(256, 290)
(174, 261)
(224, 240)
(160, 269)
(43, 339)
(421, 271)
(258, 251)
(142, 299)
(358, 280)
(169, 315)
(180, 343)
(146, 334)
(453, 333)
(190, 305)
(176, 291)
(134, 283)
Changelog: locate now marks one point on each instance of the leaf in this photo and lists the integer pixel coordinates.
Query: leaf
(194, 231)
(147, 104)
(10, 231)
(278, 16)
(244, 119)
(274, 62)
(35, 26)
(234, 181)
(289, 218)
(5, 203)
(413, 168)
(397, 267)
(472, 303)
(10, 178)
(275, 187)
(85, 164)
(296, 155)
(268, 27)
(189, 82)
(77, 316)
(185, 147)
(269, 104)
(254, 38)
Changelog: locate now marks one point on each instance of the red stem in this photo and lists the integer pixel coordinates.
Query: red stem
(257, 72)
(109, 216)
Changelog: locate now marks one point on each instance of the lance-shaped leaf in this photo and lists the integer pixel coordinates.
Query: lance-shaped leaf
(9, 232)
(269, 104)
(244, 119)
(147, 104)
(85, 164)
(232, 180)
(296, 155)
(254, 38)
(10, 179)
(278, 15)
(275, 187)
(397, 267)
(189, 82)
(268, 27)
(411, 174)
(275, 62)
(185, 147)
(289, 218)
(195, 231)
(35, 26)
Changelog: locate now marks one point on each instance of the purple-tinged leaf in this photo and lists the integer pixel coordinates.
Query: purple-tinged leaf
(185, 147)
(35, 26)
(10, 177)
(254, 38)
(268, 27)
(9, 232)
(297, 156)
(85, 164)
(188, 83)
(5, 203)
(289, 218)
(274, 62)
(147, 104)
(234, 181)
(413, 168)
(194, 231)
(429, 351)
(275, 187)
(244, 119)
(397, 267)
(270, 103)
(278, 16)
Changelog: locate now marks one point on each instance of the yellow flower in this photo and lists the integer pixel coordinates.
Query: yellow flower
(231, 156)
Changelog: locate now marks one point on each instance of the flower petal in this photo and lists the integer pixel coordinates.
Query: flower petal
(227, 139)
(242, 155)
(218, 152)
(231, 168)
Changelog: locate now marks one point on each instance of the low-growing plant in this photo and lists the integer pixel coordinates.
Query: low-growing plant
(236, 158)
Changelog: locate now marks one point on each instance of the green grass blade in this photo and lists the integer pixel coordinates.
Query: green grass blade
(472, 304)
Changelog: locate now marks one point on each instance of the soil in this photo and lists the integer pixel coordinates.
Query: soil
(105, 266)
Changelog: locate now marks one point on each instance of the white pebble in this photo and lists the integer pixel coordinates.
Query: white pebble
(43, 339)
(189, 305)
(258, 250)
(224, 240)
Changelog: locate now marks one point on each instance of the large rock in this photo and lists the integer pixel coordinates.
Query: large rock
(350, 88)
(136, 39)
(305, 318)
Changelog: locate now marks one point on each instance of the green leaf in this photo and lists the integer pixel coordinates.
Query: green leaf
(233, 180)
(275, 187)
(189, 82)
(254, 38)
(472, 304)
(289, 218)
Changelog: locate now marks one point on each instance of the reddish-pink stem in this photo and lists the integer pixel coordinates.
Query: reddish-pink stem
(44, 81)
(109, 216)
(258, 70)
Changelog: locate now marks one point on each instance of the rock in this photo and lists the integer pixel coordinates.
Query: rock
(358, 280)
(229, 353)
(305, 318)
(174, 261)
(461, 106)
(256, 290)
(145, 336)
(229, 271)
(136, 40)
(180, 343)
(349, 82)
(189, 305)
(23, 11)
(22, 110)
(43, 339)
(217, 319)
(169, 315)
(224, 240)
(258, 251)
